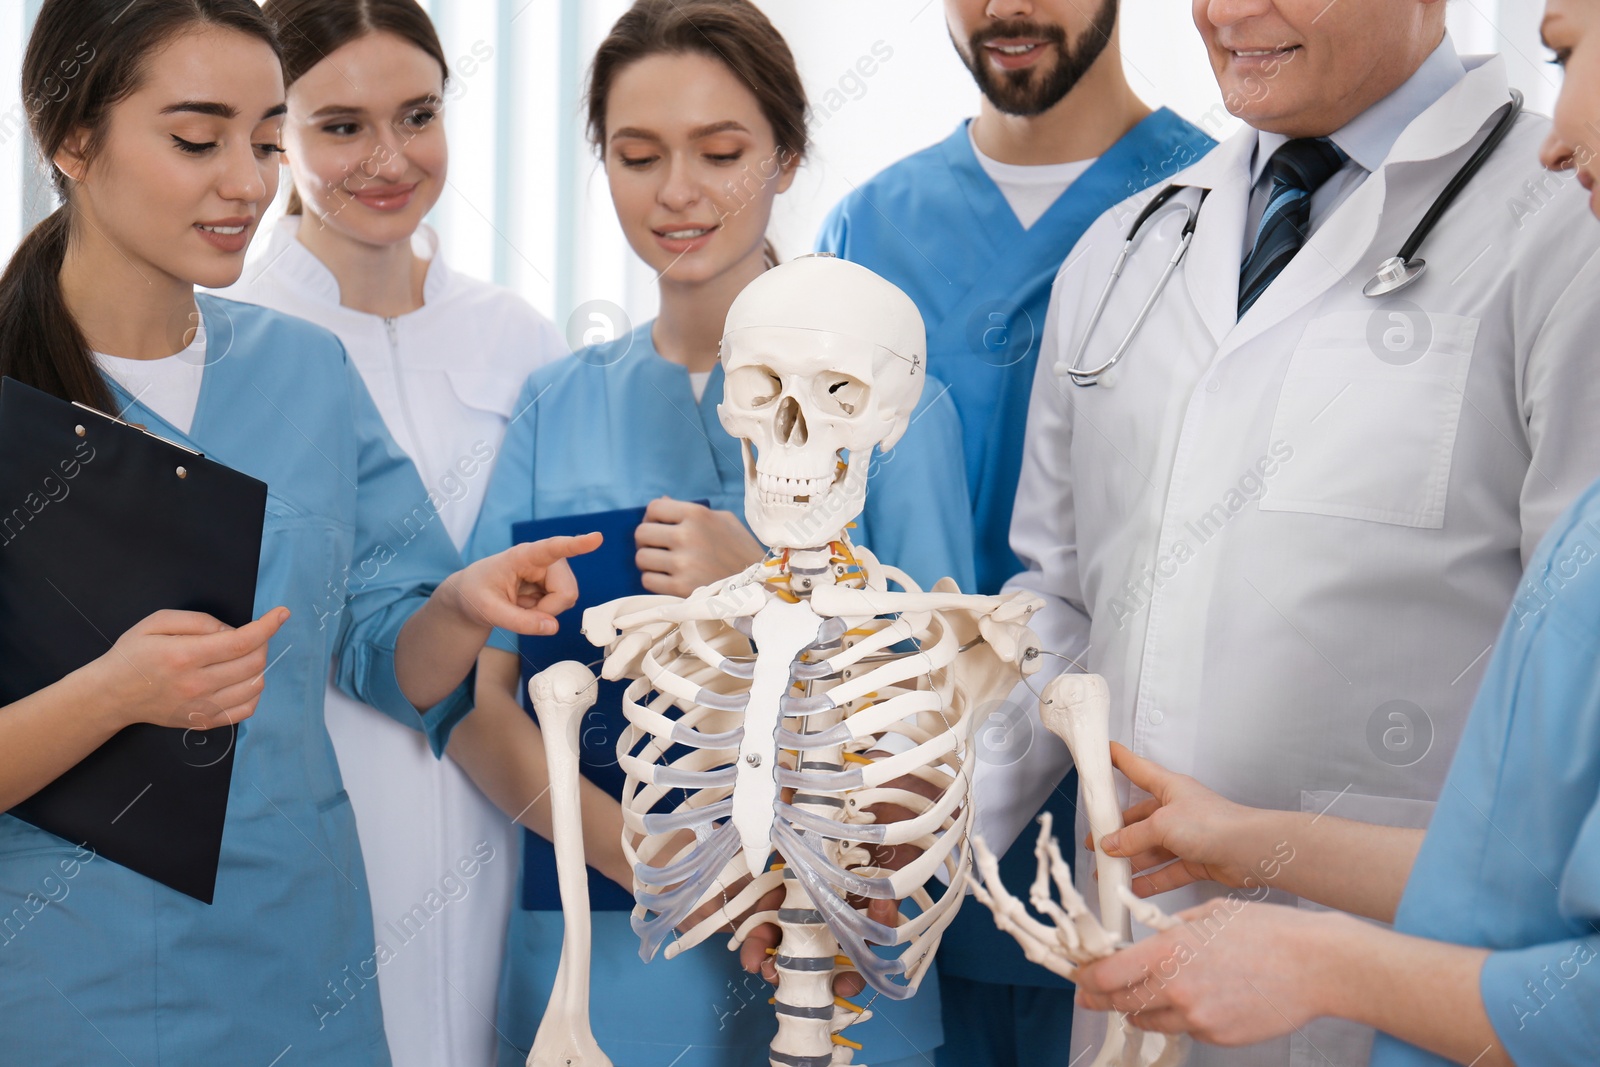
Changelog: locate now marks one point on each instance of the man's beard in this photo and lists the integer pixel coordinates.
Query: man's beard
(1026, 92)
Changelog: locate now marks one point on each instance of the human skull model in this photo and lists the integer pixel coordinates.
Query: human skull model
(824, 362)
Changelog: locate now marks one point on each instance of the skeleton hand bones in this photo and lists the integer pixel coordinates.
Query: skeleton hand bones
(1076, 707)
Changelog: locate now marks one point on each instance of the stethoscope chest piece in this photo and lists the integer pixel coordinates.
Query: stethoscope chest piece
(1394, 274)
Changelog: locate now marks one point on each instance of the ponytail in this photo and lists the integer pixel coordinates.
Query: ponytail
(40, 342)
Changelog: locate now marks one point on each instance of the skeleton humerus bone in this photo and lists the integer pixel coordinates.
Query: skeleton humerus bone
(1077, 708)
(561, 695)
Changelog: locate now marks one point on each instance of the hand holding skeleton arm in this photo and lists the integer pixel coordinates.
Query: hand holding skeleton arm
(1231, 972)
(1076, 708)
(1186, 833)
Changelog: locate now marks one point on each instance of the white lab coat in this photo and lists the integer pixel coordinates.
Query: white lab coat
(445, 378)
(1289, 556)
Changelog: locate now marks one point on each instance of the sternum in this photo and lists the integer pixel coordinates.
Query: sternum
(781, 631)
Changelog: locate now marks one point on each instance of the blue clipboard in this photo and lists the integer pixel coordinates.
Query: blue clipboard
(605, 574)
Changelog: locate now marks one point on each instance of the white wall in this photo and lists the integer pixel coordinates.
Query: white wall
(527, 205)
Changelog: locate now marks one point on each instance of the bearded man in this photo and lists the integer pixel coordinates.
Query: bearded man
(974, 228)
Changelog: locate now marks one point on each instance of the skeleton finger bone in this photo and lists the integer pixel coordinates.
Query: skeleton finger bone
(1037, 940)
(1147, 913)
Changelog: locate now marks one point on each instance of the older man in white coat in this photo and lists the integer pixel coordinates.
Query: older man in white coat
(1288, 524)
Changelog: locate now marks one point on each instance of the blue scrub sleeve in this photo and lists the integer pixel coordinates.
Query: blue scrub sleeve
(401, 542)
(918, 515)
(509, 498)
(1544, 1000)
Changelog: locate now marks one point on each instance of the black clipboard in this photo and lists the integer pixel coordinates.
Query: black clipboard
(101, 524)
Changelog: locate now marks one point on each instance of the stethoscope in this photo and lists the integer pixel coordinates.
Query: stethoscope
(1394, 273)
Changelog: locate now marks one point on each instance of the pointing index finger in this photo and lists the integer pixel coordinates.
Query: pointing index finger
(548, 551)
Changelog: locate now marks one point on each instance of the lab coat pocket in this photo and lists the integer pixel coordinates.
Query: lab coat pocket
(1369, 406)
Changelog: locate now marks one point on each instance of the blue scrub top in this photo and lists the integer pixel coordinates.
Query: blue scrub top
(936, 225)
(1511, 861)
(98, 964)
(616, 426)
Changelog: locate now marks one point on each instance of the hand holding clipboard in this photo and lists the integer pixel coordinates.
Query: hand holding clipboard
(186, 669)
(126, 562)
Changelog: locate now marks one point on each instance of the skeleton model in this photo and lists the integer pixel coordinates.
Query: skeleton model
(776, 714)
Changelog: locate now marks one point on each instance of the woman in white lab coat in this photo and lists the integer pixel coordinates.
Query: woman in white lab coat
(1287, 536)
(443, 356)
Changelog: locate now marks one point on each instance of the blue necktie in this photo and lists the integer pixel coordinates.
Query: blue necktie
(1298, 169)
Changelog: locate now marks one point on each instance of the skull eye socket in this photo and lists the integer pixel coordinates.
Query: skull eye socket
(754, 386)
(842, 393)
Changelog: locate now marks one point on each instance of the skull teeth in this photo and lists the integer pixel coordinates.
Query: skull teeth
(779, 490)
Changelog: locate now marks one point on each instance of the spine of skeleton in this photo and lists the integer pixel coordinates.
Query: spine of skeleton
(806, 955)
(805, 985)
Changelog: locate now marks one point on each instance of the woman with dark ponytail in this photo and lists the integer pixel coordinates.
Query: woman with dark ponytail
(161, 119)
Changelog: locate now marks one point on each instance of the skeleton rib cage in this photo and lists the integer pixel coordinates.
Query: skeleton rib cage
(877, 684)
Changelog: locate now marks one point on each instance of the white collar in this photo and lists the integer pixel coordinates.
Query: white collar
(287, 258)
